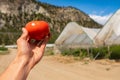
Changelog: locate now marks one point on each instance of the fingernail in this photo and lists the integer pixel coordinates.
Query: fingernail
(23, 30)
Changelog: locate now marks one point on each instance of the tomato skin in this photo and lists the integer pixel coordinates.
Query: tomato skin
(37, 29)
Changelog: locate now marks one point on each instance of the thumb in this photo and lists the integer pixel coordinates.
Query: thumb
(24, 34)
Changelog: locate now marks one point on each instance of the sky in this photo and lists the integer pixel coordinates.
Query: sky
(99, 10)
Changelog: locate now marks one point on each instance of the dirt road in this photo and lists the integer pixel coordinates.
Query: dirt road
(57, 68)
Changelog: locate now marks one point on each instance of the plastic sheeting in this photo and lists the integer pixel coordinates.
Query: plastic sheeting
(110, 33)
(75, 35)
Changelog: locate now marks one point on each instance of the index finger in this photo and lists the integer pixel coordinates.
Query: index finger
(24, 34)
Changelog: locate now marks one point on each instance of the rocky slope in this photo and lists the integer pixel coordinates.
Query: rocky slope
(14, 14)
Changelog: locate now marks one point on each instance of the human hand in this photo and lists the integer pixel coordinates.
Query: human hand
(30, 53)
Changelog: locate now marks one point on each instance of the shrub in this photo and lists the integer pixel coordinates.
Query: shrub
(112, 52)
(83, 53)
(115, 52)
(66, 52)
(102, 52)
(49, 51)
(75, 52)
(3, 49)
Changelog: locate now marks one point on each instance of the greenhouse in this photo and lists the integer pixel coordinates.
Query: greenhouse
(110, 33)
(75, 35)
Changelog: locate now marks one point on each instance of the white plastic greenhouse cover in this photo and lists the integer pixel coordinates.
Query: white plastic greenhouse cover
(75, 35)
(110, 33)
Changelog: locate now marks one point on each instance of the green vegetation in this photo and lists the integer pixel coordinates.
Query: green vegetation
(102, 51)
(109, 52)
(10, 32)
(49, 51)
(58, 17)
(3, 50)
(115, 52)
(82, 53)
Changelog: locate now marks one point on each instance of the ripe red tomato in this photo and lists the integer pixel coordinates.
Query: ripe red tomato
(38, 29)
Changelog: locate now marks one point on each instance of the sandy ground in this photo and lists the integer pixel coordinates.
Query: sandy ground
(64, 68)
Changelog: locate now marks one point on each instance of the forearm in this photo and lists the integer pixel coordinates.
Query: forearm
(17, 70)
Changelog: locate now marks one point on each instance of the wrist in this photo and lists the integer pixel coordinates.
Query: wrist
(17, 70)
(23, 62)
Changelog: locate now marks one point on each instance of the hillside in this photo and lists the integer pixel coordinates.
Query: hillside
(14, 14)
